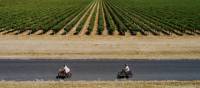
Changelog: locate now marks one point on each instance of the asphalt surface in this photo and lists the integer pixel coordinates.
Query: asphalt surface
(100, 69)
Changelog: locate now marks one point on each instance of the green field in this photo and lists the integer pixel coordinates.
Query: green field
(99, 17)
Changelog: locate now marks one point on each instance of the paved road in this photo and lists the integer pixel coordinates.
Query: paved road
(100, 69)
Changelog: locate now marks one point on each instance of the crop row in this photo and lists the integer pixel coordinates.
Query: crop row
(101, 17)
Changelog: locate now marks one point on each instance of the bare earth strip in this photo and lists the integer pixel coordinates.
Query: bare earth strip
(98, 47)
(3, 32)
(49, 32)
(115, 32)
(13, 33)
(38, 32)
(94, 32)
(105, 32)
(86, 25)
(26, 32)
(72, 31)
(62, 30)
(99, 84)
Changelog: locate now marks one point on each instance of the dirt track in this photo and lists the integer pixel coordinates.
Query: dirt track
(96, 47)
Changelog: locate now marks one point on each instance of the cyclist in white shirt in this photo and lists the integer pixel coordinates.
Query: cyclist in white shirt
(67, 70)
(126, 68)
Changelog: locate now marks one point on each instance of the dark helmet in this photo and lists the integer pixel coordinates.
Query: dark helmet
(125, 65)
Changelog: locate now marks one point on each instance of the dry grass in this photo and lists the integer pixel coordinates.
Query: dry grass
(97, 47)
(100, 84)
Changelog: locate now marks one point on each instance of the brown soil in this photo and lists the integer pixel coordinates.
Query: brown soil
(104, 23)
(26, 32)
(94, 32)
(38, 32)
(62, 30)
(77, 24)
(49, 32)
(86, 25)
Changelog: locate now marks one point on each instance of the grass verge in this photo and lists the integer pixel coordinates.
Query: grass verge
(100, 84)
(98, 47)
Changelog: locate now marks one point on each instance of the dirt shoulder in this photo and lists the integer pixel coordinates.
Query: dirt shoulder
(98, 47)
(100, 84)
